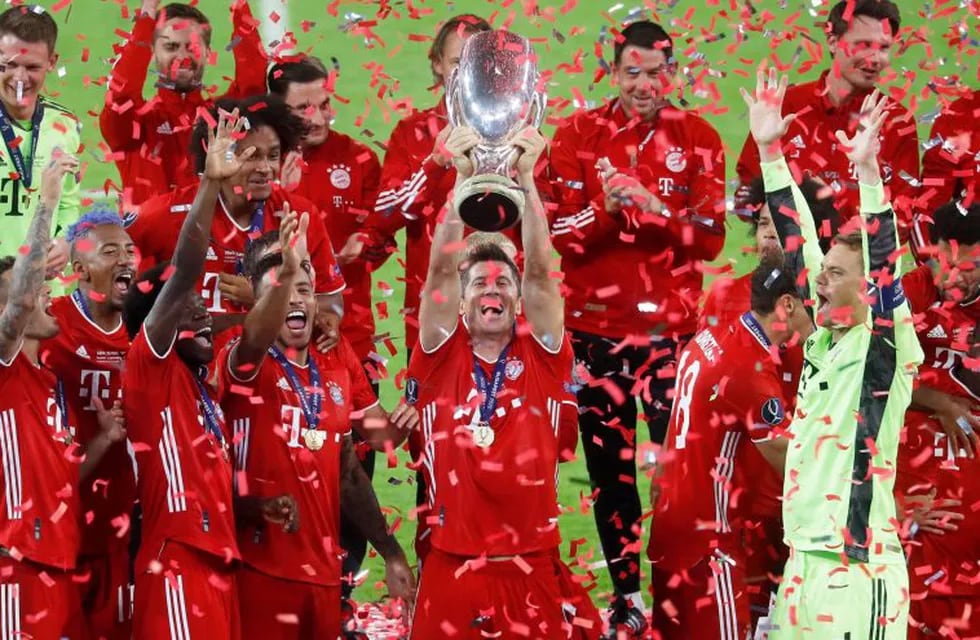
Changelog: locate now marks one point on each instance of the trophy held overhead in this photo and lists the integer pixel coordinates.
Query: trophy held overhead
(495, 92)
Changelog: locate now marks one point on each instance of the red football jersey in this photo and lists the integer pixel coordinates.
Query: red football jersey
(183, 472)
(926, 459)
(728, 393)
(680, 159)
(272, 457)
(89, 360)
(156, 229)
(39, 507)
(341, 178)
(811, 146)
(499, 500)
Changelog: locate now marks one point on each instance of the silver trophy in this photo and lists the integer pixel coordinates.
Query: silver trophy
(495, 92)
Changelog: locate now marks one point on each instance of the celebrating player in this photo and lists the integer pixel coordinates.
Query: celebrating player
(39, 523)
(728, 391)
(641, 183)
(938, 473)
(35, 129)
(248, 204)
(150, 138)
(418, 172)
(185, 578)
(950, 165)
(489, 388)
(860, 35)
(87, 356)
(297, 441)
(846, 572)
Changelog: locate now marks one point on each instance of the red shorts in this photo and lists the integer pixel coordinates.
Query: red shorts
(35, 601)
(282, 609)
(765, 556)
(193, 596)
(944, 617)
(534, 597)
(706, 602)
(106, 596)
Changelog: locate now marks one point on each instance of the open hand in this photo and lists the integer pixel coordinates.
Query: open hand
(862, 148)
(112, 421)
(766, 121)
(223, 159)
(53, 176)
(236, 289)
(292, 238)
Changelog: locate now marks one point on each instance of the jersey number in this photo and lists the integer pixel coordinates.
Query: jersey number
(686, 380)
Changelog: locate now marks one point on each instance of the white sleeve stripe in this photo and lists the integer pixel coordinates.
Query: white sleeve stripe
(10, 452)
(14, 355)
(170, 456)
(408, 191)
(579, 219)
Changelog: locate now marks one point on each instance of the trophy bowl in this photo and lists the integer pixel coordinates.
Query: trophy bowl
(494, 90)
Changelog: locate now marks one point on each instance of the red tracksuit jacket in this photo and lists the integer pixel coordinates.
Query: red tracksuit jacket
(150, 139)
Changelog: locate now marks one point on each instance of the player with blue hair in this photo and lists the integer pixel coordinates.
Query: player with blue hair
(87, 356)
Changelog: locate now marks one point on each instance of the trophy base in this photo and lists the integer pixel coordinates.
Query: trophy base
(489, 202)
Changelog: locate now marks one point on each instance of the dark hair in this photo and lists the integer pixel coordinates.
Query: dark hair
(954, 222)
(30, 23)
(770, 281)
(260, 111)
(139, 303)
(180, 10)
(256, 251)
(302, 70)
(466, 23)
(487, 252)
(6, 264)
(879, 10)
(644, 35)
(852, 240)
(815, 193)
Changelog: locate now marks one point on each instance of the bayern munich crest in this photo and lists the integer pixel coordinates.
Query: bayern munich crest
(340, 177)
(514, 369)
(675, 160)
(336, 394)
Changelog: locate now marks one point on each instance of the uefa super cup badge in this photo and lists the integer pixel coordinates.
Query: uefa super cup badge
(314, 439)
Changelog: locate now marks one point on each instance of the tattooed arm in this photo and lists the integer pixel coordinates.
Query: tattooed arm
(360, 505)
(27, 275)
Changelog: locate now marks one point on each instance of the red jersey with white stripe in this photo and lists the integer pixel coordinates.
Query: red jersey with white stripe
(183, 472)
(679, 158)
(951, 162)
(341, 178)
(271, 457)
(811, 146)
(39, 507)
(926, 459)
(156, 229)
(89, 360)
(719, 410)
(499, 500)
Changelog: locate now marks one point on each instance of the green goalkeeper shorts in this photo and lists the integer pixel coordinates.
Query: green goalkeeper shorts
(821, 598)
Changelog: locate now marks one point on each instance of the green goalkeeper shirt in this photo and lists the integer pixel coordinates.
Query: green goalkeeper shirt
(840, 465)
(56, 127)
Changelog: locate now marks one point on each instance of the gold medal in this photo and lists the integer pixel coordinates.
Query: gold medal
(314, 439)
(483, 435)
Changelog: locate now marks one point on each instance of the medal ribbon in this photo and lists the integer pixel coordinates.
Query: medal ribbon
(490, 389)
(82, 301)
(24, 169)
(310, 403)
(211, 421)
(753, 325)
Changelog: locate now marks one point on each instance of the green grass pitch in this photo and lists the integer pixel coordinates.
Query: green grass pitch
(382, 68)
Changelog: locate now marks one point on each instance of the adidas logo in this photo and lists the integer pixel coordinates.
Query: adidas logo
(211, 254)
(165, 129)
(81, 351)
(797, 141)
(283, 384)
(937, 333)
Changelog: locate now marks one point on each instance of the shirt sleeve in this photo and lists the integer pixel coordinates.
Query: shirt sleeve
(794, 223)
(251, 60)
(69, 206)
(329, 279)
(901, 147)
(764, 408)
(748, 168)
(118, 120)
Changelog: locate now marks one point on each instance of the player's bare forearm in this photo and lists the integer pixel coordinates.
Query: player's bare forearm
(378, 429)
(360, 504)
(26, 278)
(543, 304)
(439, 303)
(94, 452)
(929, 399)
(331, 302)
(264, 322)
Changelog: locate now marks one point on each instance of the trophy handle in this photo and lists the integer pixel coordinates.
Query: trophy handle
(538, 103)
(452, 99)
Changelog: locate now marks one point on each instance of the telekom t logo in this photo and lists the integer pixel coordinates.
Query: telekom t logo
(291, 424)
(211, 293)
(94, 384)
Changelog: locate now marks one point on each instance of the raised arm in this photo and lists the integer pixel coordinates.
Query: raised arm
(124, 99)
(789, 210)
(544, 307)
(27, 274)
(265, 320)
(251, 59)
(192, 244)
(439, 306)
